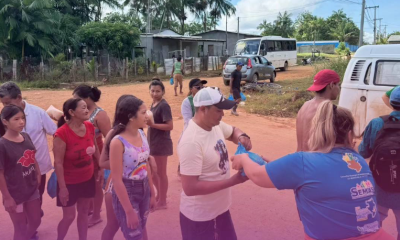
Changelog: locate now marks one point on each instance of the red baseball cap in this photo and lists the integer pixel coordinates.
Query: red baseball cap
(323, 78)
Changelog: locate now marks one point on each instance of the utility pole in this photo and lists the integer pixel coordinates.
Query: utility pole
(380, 28)
(238, 30)
(226, 34)
(374, 7)
(361, 38)
(385, 30)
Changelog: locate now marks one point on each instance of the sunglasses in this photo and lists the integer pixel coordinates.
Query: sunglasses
(198, 87)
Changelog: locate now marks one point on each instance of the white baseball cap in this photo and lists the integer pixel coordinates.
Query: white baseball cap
(210, 96)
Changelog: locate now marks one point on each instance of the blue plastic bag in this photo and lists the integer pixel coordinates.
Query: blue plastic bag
(171, 81)
(255, 157)
(52, 185)
(241, 95)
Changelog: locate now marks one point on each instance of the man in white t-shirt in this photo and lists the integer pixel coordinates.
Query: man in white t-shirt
(205, 171)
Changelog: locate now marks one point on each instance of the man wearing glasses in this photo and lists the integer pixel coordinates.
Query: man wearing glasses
(187, 107)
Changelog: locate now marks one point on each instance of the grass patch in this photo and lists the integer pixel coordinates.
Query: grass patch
(325, 55)
(285, 102)
(46, 84)
(288, 100)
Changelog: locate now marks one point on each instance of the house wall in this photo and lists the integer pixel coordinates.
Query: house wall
(232, 38)
(219, 48)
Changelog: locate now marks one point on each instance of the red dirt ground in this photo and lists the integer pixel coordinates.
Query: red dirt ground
(257, 213)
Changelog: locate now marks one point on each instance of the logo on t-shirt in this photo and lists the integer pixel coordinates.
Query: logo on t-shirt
(369, 228)
(28, 158)
(364, 189)
(223, 154)
(352, 162)
(370, 209)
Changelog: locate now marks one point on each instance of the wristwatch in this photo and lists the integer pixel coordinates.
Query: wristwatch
(244, 135)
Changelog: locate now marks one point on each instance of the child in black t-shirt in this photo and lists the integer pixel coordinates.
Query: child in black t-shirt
(19, 173)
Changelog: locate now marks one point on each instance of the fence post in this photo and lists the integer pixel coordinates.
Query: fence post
(42, 69)
(74, 70)
(14, 70)
(135, 67)
(108, 66)
(96, 70)
(1, 68)
(84, 70)
(126, 68)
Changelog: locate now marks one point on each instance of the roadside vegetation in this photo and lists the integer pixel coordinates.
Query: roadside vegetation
(287, 101)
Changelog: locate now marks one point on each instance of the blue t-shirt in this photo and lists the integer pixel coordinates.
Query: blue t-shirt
(335, 192)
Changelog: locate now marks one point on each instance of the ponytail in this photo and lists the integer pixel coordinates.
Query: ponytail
(331, 125)
(70, 104)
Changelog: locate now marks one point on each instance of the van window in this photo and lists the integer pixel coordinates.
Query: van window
(387, 73)
(368, 75)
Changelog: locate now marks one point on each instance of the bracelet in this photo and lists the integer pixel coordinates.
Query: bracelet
(243, 135)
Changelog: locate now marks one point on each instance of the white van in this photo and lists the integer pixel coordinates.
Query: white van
(372, 71)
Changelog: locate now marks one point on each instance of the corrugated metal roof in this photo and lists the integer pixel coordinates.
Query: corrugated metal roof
(394, 38)
(217, 30)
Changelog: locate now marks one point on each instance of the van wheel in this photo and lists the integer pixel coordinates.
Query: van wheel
(273, 77)
(285, 67)
(226, 82)
(255, 78)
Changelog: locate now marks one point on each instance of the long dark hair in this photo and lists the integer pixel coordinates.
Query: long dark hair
(85, 91)
(70, 104)
(125, 110)
(7, 113)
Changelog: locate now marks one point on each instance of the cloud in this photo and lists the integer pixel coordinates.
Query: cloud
(368, 37)
(252, 12)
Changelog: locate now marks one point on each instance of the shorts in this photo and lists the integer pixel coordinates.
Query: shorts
(76, 191)
(178, 78)
(20, 207)
(222, 226)
(139, 196)
(236, 94)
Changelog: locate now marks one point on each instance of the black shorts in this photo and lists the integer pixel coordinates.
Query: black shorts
(77, 191)
(236, 94)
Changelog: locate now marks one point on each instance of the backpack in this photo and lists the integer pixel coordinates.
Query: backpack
(385, 161)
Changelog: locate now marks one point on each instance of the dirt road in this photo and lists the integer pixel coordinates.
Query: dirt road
(257, 213)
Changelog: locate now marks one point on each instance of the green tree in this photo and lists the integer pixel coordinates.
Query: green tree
(117, 38)
(282, 26)
(130, 19)
(30, 23)
(309, 28)
(342, 28)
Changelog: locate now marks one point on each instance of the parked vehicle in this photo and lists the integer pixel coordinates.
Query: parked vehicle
(280, 51)
(255, 68)
(372, 71)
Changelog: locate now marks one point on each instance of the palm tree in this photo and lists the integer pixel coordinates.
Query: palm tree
(284, 25)
(31, 21)
(343, 31)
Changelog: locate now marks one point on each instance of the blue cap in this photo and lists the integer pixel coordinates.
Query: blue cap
(239, 64)
(395, 98)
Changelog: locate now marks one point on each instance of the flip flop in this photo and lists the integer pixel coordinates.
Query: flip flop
(95, 223)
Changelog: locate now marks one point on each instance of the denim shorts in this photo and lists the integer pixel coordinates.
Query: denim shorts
(139, 196)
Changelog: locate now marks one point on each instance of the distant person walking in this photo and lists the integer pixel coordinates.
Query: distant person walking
(234, 84)
(177, 74)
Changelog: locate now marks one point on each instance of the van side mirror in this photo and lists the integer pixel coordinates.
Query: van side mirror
(262, 47)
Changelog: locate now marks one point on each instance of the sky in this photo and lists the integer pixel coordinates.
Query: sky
(252, 12)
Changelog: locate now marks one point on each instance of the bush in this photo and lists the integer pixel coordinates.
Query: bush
(342, 49)
(338, 65)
